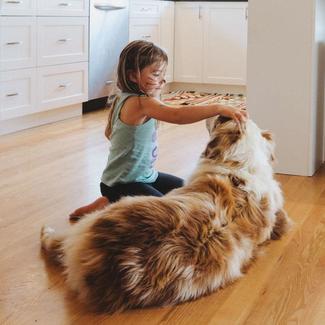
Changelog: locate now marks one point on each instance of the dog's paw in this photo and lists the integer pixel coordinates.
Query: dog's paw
(46, 233)
(282, 225)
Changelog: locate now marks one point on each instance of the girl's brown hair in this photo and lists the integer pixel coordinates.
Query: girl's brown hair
(135, 57)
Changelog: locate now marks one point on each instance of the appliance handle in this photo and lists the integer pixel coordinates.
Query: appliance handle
(108, 7)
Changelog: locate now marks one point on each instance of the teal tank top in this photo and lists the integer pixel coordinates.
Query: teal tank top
(133, 150)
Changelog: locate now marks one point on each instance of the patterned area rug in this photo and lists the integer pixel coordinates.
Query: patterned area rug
(181, 97)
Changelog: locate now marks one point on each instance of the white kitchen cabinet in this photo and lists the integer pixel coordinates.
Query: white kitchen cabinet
(17, 93)
(167, 9)
(17, 7)
(43, 61)
(188, 42)
(224, 43)
(62, 40)
(210, 42)
(17, 42)
(154, 21)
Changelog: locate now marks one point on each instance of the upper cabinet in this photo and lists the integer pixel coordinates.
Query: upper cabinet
(211, 42)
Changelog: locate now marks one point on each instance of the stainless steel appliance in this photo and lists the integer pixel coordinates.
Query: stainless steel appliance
(108, 33)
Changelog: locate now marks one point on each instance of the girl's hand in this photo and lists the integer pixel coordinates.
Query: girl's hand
(238, 113)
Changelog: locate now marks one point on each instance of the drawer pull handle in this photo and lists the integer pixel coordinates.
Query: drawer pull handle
(146, 36)
(14, 43)
(64, 4)
(109, 82)
(108, 7)
(14, 2)
(65, 85)
(145, 9)
(12, 94)
(63, 40)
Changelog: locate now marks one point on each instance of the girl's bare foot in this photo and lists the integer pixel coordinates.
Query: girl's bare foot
(98, 204)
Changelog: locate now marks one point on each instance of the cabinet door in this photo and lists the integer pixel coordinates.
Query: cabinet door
(17, 93)
(17, 42)
(62, 40)
(17, 7)
(147, 29)
(225, 43)
(188, 42)
(167, 34)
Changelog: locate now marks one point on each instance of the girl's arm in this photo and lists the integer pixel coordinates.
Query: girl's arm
(154, 108)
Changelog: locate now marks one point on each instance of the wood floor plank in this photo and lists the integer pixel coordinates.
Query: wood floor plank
(295, 291)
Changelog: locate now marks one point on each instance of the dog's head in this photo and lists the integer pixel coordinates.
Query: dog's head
(238, 145)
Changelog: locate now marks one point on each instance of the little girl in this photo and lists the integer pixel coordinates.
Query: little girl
(132, 127)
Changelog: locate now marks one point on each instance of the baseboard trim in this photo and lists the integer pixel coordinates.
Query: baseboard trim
(209, 88)
(41, 118)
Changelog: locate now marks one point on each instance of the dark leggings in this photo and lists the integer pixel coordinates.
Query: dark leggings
(160, 187)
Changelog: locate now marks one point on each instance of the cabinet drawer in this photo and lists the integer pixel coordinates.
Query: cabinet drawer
(63, 7)
(18, 42)
(144, 9)
(17, 93)
(62, 85)
(62, 40)
(17, 7)
(145, 29)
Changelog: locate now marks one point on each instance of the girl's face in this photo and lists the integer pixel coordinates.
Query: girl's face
(151, 78)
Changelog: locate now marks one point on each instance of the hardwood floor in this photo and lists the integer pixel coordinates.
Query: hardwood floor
(47, 172)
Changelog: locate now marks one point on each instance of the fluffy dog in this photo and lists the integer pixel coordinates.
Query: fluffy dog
(145, 251)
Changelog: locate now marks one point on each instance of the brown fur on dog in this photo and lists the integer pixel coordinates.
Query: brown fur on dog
(144, 251)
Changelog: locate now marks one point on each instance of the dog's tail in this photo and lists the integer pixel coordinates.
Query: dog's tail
(51, 244)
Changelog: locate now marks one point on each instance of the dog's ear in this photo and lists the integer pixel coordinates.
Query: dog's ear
(267, 135)
(223, 119)
(213, 122)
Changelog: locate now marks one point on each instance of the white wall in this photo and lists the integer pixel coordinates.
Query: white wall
(282, 80)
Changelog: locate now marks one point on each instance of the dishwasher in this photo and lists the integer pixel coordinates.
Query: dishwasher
(108, 35)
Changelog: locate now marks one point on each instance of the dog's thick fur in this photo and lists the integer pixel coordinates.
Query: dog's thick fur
(144, 251)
